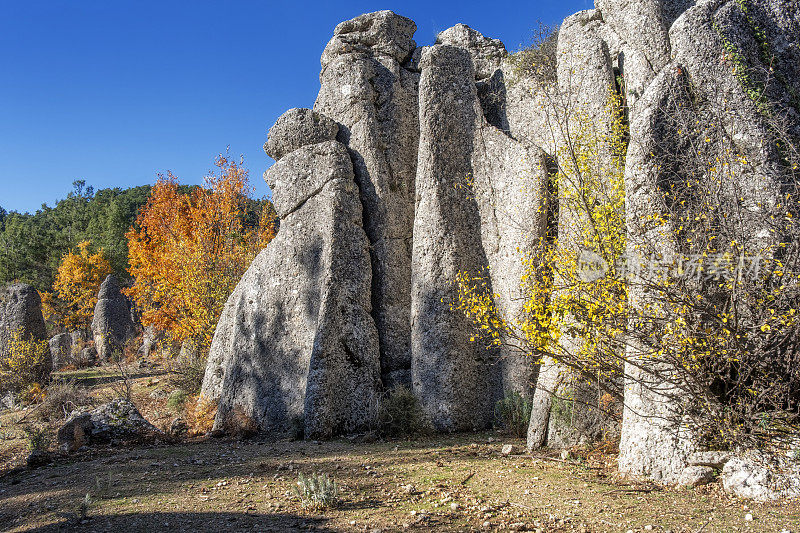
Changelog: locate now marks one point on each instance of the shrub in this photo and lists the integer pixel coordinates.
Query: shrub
(177, 399)
(61, 398)
(27, 360)
(561, 410)
(539, 60)
(38, 439)
(317, 491)
(188, 370)
(400, 413)
(513, 414)
(200, 413)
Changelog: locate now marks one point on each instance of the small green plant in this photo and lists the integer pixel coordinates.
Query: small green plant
(400, 413)
(561, 410)
(177, 399)
(316, 491)
(513, 414)
(38, 439)
(82, 512)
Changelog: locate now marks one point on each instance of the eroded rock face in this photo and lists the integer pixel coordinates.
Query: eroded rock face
(368, 89)
(112, 323)
(296, 344)
(487, 54)
(297, 128)
(20, 313)
(454, 378)
(761, 476)
(654, 442)
(60, 349)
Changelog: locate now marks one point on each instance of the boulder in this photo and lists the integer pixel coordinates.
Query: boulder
(151, 340)
(60, 349)
(75, 432)
(20, 313)
(297, 128)
(112, 323)
(694, 476)
(88, 356)
(117, 420)
(296, 343)
(381, 34)
(368, 88)
(761, 476)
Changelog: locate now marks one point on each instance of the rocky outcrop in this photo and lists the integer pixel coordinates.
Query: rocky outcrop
(117, 420)
(296, 344)
(60, 349)
(112, 323)
(455, 379)
(654, 442)
(417, 165)
(20, 314)
(152, 338)
(297, 128)
(370, 88)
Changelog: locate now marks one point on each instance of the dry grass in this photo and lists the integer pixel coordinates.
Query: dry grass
(453, 483)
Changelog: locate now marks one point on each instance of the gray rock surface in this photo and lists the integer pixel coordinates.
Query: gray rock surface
(20, 312)
(296, 343)
(761, 476)
(454, 379)
(653, 442)
(297, 128)
(152, 339)
(117, 420)
(112, 323)
(60, 349)
(487, 54)
(367, 89)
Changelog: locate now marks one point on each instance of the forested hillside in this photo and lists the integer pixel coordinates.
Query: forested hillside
(31, 245)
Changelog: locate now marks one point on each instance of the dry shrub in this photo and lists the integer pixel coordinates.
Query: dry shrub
(61, 398)
(400, 414)
(34, 393)
(200, 413)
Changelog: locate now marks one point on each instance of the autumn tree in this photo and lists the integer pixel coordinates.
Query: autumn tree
(78, 280)
(188, 251)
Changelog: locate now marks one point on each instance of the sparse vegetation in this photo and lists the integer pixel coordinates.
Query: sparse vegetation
(513, 414)
(317, 491)
(400, 413)
(177, 399)
(61, 398)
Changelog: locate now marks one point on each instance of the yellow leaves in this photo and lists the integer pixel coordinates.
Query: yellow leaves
(26, 359)
(77, 281)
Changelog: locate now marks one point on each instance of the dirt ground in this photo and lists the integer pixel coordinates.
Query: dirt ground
(453, 483)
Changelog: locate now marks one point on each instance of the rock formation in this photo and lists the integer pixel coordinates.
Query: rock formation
(419, 164)
(369, 86)
(112, 323)
(60, 349)
(297, 344)
(20, 313)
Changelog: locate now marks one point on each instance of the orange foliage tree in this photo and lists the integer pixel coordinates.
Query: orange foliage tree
(188, 251)
(75, 289)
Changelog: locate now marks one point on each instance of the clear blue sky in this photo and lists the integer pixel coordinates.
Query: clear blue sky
(116, 91)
